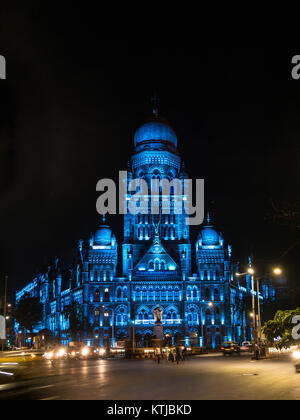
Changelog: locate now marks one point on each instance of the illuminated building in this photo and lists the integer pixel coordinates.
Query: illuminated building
(202, 308)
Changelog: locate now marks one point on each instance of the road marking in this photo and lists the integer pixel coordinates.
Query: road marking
(39, 387)
(55, 397)
(6, 373)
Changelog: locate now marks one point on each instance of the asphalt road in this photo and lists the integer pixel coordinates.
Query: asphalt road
(201, 378)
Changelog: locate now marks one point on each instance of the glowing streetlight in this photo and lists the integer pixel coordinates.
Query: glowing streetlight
(277, 271)
(251, 270)
(210, 304)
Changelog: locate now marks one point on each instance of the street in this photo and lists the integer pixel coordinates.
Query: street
(200, 378)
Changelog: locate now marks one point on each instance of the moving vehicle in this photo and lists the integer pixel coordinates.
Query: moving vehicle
(230, 348)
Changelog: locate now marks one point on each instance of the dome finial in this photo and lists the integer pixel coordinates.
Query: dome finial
(208, 217)
(155, 103)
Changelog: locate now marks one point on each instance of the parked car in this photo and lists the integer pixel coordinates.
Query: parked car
(230, 348)
(246, 346)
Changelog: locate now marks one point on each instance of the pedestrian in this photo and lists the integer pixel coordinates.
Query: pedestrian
(256, 349)
(157, 355)
(178, 355)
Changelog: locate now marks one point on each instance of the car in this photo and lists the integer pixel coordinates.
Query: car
(246, 346)
(230, 348)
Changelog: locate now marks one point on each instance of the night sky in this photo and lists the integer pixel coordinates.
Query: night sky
(79, 82)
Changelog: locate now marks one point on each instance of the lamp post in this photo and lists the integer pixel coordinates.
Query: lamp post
(257, 318)
(133, 336)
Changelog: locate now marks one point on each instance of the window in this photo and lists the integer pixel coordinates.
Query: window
(208, 317)
(106, 295)
(97, 296)
(137, 293)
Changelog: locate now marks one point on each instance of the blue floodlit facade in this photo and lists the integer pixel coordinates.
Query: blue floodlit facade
(204, 308)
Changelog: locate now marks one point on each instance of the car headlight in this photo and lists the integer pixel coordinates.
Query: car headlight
(85, 351)
(296, 354)
(60, 353)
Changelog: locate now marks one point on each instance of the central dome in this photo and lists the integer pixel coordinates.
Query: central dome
(104, 236)
(209, 236)
(156, 130)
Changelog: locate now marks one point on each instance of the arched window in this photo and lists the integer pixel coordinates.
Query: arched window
(216, 294)
(217, 317)
(195, 293)
(156, 265)
(106, 319)
(97, 296)
(188, 293)
(96, 275)
(101, 275)
(207, 294)
(106, 295)
(107, 275)
(96, 317)
(172, 315)
(143, 315)
(208, 317)
(144, 293)
(162, 266)
(119, 294)
(151, 265)
(176, 293)
(163, 294)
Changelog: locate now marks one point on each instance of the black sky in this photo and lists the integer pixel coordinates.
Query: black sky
(79, 83)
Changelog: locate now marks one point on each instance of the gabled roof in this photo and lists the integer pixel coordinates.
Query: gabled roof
(155, 251)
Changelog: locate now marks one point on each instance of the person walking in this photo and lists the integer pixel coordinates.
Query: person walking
(157, 355)
(256, 350)
(178, 355)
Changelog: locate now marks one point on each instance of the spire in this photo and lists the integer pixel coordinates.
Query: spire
(208, 218)
(155, 103)
(103, 218)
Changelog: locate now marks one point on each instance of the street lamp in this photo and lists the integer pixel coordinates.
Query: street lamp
(276, 271)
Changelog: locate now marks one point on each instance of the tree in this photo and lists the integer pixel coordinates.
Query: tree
(28, 313)
(77, 322)
(278, 331)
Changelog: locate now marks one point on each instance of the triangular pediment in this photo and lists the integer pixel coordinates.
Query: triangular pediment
(156, 259)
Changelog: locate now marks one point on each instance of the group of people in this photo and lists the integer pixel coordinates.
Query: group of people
(174, 355)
